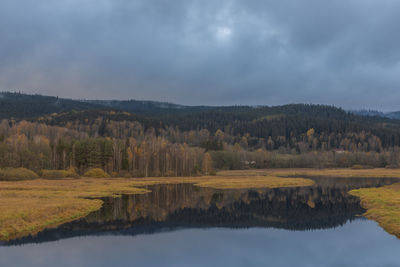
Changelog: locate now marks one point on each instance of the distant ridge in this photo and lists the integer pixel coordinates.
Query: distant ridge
(20, 105)
(30, 106)
(390, 115)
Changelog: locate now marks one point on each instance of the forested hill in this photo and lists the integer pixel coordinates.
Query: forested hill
(22, 106)
(280, 125)
(145, 138)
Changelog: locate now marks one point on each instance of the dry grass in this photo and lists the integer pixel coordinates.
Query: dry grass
(59, 174)
(228, 182)
(21, 216)
(251, 172)
(254, 182)
(339, 173)
(383, 206)
(27, 207)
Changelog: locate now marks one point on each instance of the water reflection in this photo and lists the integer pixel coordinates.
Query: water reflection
(168, 207)
(360, 243)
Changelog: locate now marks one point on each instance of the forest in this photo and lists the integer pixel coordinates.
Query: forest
(161, 139)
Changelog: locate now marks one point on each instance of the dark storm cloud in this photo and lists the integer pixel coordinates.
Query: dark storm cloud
(343, 52)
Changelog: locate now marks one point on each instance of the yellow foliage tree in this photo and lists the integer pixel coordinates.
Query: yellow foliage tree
(310, 132)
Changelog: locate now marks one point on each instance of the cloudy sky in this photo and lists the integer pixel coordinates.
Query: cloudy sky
(342, 52)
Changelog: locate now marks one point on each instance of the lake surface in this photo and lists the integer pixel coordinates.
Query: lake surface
(184, 225)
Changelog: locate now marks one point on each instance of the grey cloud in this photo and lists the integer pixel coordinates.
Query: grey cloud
(340, 52)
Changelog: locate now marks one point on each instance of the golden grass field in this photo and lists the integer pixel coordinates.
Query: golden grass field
(339, 173)
(27, 207)
(253, 182)
(383, 206)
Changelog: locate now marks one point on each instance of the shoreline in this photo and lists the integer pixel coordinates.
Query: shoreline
(30, 206)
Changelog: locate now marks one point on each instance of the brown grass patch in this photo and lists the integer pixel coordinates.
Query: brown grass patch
(254, 182)
(338, 173)
(383, 206)
(59, 174)
(341, 173)
(27, 207)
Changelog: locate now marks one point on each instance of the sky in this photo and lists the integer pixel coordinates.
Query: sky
(205, 52)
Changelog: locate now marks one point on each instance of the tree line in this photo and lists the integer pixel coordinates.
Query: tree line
(38, 146)
(127, 148)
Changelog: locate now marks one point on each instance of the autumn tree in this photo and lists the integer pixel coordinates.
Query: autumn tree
(207, 166)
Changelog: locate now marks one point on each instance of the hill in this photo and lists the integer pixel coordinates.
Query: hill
(146, 138)
(21, 106)
(281, 125)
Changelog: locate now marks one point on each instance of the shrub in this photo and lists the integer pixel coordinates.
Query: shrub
(96, 173)
(226, 160)
(59, 174)
(17, 174)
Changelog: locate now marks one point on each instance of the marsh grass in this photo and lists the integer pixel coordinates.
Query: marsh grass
(254, 182)
(306, 173)
(27, 207)
(383, 206)
(59, 174)
(340, 173)
(343, 173)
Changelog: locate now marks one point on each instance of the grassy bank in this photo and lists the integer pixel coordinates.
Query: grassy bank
(27, 207)
(254, 182)
(339, 173)
(383, 206)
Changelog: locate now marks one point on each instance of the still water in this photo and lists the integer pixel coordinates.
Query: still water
(184, 225)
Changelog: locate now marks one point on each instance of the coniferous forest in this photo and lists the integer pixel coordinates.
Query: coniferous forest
(144, 138)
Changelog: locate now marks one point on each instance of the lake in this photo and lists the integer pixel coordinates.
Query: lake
(185, 225)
